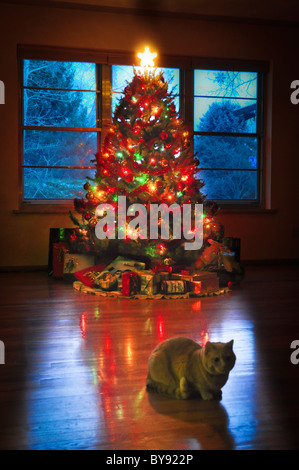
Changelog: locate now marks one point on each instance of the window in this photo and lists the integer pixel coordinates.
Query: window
(227, 133)
(67, 107)
(61, 117)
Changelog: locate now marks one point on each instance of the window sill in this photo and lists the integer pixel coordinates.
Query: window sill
(65, 208)
(247, 211)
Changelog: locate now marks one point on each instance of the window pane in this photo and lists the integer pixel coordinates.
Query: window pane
(54, 74)
(222, 184)
(54, 183)
(224, 115)
(59, 108)
(121, 74)
(59, 148)
(226, 152)
(225, 83)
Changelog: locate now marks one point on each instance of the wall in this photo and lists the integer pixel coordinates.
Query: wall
(264, 235)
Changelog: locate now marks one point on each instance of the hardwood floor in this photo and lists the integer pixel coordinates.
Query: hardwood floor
(76, 364)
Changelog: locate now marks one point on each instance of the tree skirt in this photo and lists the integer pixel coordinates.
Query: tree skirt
(79, 286)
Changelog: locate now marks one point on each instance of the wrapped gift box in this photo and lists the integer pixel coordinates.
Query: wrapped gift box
(149, 282)
(74, 262)
(115, 270)
(57, 235)
(234, 245)
(88, 275)
(209, 281)
(194, 287)
(130, 283)
(174, 287)
(59, 251)
(107, 281)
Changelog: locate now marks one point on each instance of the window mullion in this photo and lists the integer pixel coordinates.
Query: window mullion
(106, 99)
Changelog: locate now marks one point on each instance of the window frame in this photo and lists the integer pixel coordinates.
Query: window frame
(104, 60)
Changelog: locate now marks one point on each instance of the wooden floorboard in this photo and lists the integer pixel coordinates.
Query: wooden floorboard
(76, 364)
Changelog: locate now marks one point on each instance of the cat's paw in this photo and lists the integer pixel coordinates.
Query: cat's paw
(184, 389)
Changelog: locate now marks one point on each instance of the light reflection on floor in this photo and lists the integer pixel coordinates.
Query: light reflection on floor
(99, 382)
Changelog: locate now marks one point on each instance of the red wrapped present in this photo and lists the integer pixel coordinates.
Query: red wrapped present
(130, 283)
(209, 281)
(87, 276)
(59, 250)
(162, 268)
(194, 287)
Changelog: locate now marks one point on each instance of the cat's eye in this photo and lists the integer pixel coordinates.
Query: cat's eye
(216, 359)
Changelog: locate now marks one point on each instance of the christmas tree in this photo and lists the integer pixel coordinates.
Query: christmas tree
(147, 157)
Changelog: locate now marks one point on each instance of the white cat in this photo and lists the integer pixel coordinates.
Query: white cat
(180, 367)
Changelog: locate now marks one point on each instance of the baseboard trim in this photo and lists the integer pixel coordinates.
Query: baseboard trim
(270, 262)
(23, 268)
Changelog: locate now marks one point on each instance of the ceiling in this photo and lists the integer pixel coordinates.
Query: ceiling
(270, 10)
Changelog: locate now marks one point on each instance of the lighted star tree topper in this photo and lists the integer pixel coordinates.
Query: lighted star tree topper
(147, 58)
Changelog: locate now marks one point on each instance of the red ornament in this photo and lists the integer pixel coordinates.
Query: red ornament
(163, 135)
(87, 216)
(73, 237)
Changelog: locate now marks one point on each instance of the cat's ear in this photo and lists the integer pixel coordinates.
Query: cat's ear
(208, 347)
(230, 344)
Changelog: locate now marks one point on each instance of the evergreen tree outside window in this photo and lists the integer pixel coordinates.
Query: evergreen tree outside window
(227, 135)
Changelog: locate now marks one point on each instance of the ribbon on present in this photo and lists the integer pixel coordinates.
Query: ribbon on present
(60, 254)
(70, 264)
